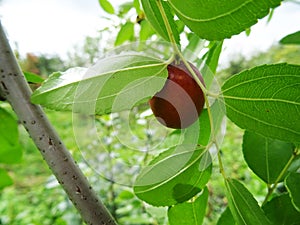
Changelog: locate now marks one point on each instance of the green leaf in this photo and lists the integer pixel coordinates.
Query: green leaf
(292, 183)
(107, 6)
(114, 84)
(281, 211)
(266, 157)
(242, 204)
(146, 30)
(291, 39)
(137, 6)
(194, 47)
(213, 55)
(217, 20)
(189, 213)
(265, 99)
(226, 218)
(5, 179)
(175, 176)
(124, 8)
(126, 33)
(155, 18)
(218, 113)
(33, 78)
(10, 149)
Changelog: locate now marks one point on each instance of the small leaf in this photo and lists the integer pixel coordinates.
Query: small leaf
(107, 6)
(194, 47)
(226, 218)
(281, 211)
(189, 213)
(291, 39)
(292, 183)
(10, 150)
(126, 33)
(174, 176)
(33, 78)
(146, 30)
(218, 114)
(217, 20)
(266, 157)
(242, 204)
(213, 55)
(114, 84)
(5, 179)
(137, 6)
(155, 18)
(265, 99)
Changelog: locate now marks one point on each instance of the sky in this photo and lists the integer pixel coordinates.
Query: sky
(56, 26)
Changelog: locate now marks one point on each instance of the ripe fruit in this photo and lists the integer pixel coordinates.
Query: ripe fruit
(181, 100)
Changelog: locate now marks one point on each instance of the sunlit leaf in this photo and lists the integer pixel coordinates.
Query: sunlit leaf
(5, 179)
(292, 183)
(146, 30)
(155, 18)
(293, 38)
(281, 211)
(265, 99)
(242, 204)
(33, 78)
(213, 55)
(114, 84)
(266, 157)
(217, 20)
(189, 213)
(107, 6)
(10, 149)
(126, 33)
(175, 176)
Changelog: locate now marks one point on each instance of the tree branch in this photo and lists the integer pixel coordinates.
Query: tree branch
(15, 89)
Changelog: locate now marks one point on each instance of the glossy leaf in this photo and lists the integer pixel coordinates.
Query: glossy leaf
(220, 19)
(5, 179)
(265, 99)
(266, 157)
(115, 83)
(126, 33)
(292, 183)
(293, 38)
(107, 6)
(281, 211)
(10, 149)
(155, 18)
(189, 213)
(243, 206)
(226, 218)
(174, 176)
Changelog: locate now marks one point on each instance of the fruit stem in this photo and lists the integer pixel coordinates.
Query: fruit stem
(176, 48)
(178, 54)
(168, 27)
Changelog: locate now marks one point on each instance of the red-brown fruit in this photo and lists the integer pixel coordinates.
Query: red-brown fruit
(181, 100)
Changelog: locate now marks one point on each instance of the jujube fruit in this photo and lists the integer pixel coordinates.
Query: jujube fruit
(179, 103)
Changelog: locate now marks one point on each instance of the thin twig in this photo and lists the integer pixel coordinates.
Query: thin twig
(15, 89)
